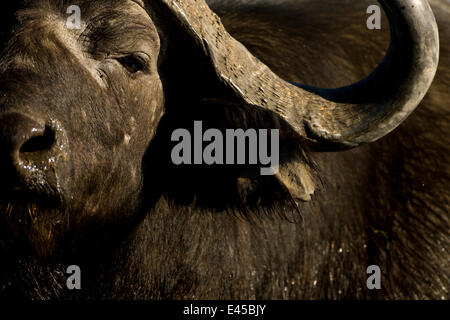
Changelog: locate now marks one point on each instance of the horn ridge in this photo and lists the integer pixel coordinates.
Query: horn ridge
(330, 118)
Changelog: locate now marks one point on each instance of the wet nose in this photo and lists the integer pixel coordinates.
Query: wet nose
(20, 139)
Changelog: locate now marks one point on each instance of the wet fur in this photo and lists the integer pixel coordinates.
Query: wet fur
(216, 233)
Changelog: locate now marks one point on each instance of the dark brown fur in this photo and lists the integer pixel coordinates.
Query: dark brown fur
(215, 233)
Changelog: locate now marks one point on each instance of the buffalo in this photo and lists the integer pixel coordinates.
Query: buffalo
(87, 114)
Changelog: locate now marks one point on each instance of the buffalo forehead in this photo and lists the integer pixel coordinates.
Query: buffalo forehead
(126, 16)
(120, 26)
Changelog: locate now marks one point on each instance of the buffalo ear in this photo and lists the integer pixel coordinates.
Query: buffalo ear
(294, 180)
(295, 176)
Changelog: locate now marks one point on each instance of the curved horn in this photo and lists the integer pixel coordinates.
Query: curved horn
(333, 118)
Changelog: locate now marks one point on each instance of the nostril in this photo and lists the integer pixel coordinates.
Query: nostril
(20, 133)
(42, 141)
(29, 151)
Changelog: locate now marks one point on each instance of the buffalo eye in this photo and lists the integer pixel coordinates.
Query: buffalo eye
(132, 63)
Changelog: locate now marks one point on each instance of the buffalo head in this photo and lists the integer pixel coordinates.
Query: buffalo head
(78, 107)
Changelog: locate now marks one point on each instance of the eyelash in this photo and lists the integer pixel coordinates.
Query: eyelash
(132, 63)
